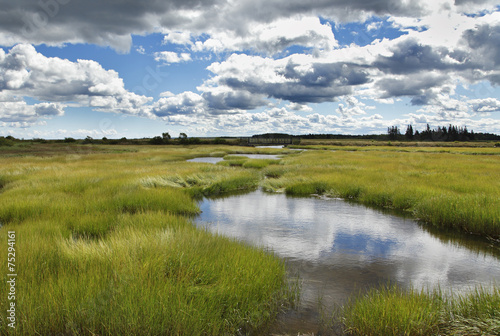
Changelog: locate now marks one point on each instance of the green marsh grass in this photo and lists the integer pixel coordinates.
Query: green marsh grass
(260, 163)
(324, 143)
(232, 162)
(406, 148)
(443, 189)
(392, 310)
(209, 180)
(106, 247)
(245, 162)
(475, 313)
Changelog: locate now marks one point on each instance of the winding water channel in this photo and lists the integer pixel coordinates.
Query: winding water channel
(338, 248)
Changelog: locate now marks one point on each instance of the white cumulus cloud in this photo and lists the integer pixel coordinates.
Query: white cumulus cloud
(172, 57)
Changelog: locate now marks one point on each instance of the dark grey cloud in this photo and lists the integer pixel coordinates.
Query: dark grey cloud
(234, 100)
(322, 82)
(340, 10)
(418, 86)
(113, 22)
(327, 74)
(485, 42)
(49, 109)
(410, 56)
(92, 21)
(468, 2)
(494, 79)
(319, 83)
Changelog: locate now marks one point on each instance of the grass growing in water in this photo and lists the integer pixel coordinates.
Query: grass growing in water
(394, 311)
(105, 248)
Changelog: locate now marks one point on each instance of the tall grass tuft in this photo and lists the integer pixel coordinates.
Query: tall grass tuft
(393, 311)
(475, 313)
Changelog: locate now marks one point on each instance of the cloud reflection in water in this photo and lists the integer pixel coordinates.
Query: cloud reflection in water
(341, 246)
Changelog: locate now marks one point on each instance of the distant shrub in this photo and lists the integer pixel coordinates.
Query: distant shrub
(6, 142)
(157, 140)
(220, 141)
(88, 140)
(189, 141)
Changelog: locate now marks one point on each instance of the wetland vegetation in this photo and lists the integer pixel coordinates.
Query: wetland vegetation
(393, 311)
(106, 245)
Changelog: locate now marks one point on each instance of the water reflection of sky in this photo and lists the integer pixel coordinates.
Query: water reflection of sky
(342, 236)
(214, 160)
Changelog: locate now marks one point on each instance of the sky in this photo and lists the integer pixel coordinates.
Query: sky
(130, 68)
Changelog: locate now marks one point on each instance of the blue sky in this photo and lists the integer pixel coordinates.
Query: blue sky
(71, 68)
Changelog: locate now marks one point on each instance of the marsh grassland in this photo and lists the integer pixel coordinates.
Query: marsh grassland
(105, 244)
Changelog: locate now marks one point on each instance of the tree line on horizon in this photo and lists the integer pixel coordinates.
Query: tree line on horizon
(441, 133)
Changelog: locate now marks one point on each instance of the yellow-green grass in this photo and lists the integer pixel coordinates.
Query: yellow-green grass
(245, 162)
(443, 189)
(365, 142)
(104, 246)
(395, 311)
(474, 150)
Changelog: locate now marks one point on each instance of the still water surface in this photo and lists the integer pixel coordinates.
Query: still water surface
(250, 156)
(338, 247)
(213, 160)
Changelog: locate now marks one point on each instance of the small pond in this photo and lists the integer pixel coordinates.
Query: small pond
(214, 160)
(337, 248)
(209, 159)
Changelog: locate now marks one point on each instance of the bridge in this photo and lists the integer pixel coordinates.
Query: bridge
(256, 140)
